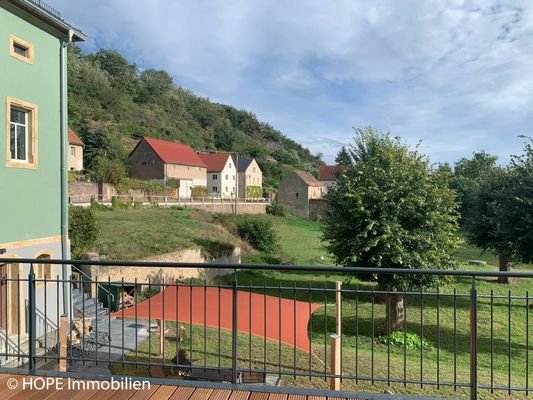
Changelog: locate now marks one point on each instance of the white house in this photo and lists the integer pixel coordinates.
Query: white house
(221, 174)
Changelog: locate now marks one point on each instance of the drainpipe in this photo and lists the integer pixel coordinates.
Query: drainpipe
(65, 251)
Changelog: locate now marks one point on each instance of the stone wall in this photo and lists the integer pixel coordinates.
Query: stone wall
(317, 209)
(83, 192)
(156, 274)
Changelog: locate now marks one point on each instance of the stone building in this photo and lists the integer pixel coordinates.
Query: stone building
(295, 191)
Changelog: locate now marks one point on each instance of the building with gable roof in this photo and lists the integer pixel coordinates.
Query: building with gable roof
(221, 174)
(250, 175)
(168, 163)
(296, 191)
(327, 176)
(75, 151)
(34, 169)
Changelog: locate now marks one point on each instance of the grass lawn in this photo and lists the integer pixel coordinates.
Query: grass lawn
(502, 326)
(135, 234)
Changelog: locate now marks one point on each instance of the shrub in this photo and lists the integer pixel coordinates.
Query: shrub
(276, 209)
(109, 171)
(83, 230)
(254, 192)
(258, 232)
(410, 340)
(199, 191)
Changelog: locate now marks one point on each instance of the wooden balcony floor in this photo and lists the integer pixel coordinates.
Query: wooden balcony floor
(156, 392)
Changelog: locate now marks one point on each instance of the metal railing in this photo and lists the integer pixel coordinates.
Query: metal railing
(46, 7)
(463, 338)
(162, 200)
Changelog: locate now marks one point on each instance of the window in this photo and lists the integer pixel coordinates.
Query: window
(215, 189)
(254, 169)
(227, 189)
(21, 132)
(230, 164)
(43, 269)
(227, 178)
(144, 163)
(215, 177)
(233, 177)
(72, 151)
(21, 50)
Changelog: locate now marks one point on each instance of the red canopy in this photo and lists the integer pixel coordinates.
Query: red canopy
(176, 302)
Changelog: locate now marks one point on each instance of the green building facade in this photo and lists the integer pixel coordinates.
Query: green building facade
(33, 146)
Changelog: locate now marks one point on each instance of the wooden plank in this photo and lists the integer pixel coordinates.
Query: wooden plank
(277, 396)
(145, 394)
(201, 394)
(316, 398)
(239, 395)
(8, 393)
(163, 392)
(182, 393)
(297, 397)
(259, 396)
(220, 394)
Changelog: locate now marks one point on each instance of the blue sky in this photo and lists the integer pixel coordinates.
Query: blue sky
(456, 75)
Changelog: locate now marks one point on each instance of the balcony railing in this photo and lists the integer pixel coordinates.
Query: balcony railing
(270, 323)
(46, 7)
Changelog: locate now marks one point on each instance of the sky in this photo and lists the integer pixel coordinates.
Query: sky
(455, 75)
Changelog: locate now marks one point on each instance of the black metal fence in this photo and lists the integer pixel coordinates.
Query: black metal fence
(467, 337)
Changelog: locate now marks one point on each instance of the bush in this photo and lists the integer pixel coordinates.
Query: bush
(83, 230)
(258, 232)
(109, 171)
(199, 191)
(276, 209)
(254, 192)
(410, 340)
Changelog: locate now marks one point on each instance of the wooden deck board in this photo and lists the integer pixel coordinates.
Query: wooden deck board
(155, 392)
(163, 392)
(182, 393)
(201, 394)
(278, 396)
(220, 394)
(259, 396)
(239, 395)
(297, 397)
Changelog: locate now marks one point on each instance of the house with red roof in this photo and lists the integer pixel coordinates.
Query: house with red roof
(168, 163)
(75, 151)
(221, 174)
(327, 176)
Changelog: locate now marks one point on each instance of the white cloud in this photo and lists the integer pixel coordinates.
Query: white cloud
(456, 74)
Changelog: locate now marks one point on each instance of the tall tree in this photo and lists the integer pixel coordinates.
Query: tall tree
(390, 210)
(502, 220)
(469, 174)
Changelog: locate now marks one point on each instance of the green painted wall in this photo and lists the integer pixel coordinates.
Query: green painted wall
(30, 199)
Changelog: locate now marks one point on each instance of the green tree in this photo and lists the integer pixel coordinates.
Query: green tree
(83, 230)
(390, 210)
(108, 171)
(468, 176)
(502, 219)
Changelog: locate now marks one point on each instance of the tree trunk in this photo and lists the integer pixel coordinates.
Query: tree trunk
(505, 265)
(395, 313)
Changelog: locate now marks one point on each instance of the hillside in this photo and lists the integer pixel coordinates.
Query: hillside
(112, 103)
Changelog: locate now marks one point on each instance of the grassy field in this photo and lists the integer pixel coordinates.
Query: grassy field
(135, 234)
(503, 323)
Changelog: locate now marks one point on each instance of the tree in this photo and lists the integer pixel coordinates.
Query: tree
(502, 219)
(467, 178)
(390, 210)
(83, 230)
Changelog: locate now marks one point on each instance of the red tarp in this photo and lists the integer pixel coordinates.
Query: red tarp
(176, 301)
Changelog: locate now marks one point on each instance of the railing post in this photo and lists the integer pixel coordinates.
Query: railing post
(473, 340)
(33, 317)
(234, 329)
